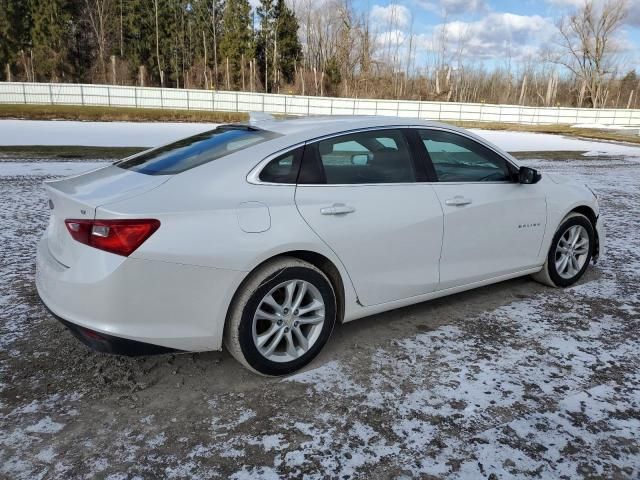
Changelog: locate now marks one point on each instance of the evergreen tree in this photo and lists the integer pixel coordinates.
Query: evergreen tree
(237, 39)
(14, 31)
(138, 36)
(50, 38)
(278, 46)
(289, 50)
(264, 42)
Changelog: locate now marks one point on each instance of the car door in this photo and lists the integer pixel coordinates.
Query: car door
(493, 225)
(367, 199)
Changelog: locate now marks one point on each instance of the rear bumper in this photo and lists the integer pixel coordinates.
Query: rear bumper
(114, 303)
(102, 342)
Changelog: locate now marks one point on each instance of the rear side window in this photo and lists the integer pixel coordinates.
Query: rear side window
(379, 156)
(197, 150)
(282, 169)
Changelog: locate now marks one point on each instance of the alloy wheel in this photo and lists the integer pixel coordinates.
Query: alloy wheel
(288, 320)
(572, 251)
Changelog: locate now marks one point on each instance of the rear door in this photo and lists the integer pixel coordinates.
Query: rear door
(493, 225)
(364, 195)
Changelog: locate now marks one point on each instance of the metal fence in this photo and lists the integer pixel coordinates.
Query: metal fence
(183, 99)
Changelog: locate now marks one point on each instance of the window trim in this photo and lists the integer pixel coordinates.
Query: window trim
(511, 166)
(253, 177)
(417, 150)
(296, 162)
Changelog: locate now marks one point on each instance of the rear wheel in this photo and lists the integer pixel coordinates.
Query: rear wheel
(570, 252)
(281, 318)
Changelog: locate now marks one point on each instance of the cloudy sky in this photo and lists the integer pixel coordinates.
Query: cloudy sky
(491, 30)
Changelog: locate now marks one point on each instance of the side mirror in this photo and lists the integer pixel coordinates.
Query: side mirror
(359, 159)
(528, 175)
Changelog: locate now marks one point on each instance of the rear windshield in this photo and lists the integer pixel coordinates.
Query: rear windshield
(197, 150)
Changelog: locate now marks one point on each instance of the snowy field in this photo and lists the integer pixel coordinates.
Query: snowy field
(514, 380)
(151, 134)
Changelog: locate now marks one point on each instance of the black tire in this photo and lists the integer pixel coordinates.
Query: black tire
(549, 274)
(238, 335)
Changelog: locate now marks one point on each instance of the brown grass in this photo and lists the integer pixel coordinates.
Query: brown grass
(590, 133)
(110, 114)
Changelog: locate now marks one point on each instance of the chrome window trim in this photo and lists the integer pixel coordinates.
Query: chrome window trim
(253, 176)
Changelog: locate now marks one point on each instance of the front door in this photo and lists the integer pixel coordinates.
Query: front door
(361, 195)
(493, 225)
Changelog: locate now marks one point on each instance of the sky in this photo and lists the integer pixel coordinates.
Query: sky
(494, 31)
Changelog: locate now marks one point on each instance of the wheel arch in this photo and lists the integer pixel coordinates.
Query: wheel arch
(593, 218)
(587, 212)
(321, 262)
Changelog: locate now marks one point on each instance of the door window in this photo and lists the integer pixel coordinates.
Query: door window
(380, 156)
(459, 159)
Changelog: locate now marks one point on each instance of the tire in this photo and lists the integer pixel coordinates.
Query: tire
(247, 328)
(553, 272)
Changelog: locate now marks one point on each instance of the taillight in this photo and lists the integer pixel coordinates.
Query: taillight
(121, 237)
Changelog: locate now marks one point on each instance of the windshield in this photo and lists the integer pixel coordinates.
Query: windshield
(197, 150)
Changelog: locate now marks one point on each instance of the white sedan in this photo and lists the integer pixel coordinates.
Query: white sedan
(262, 236)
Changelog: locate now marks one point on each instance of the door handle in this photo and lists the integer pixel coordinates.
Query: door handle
(337, 209)
(458, 201)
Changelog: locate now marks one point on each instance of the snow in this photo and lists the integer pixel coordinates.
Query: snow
(603, 126)
(150, 134)
(46, 169)
(46, 425)
(544, 142)
(96, 134)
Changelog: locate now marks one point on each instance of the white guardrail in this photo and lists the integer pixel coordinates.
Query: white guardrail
(183, 99)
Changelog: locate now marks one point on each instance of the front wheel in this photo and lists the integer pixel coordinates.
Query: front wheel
(570, 252)
(281, 318)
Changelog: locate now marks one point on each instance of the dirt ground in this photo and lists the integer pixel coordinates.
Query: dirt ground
(515, 380)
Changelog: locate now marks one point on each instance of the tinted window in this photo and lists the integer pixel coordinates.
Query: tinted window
(380, 156)
(460, 159)
(197, 150)
(283, 169)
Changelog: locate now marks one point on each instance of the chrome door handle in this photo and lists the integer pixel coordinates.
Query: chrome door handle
(337, 209)
(458, 201)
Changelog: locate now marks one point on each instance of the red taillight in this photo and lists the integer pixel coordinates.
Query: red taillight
(121, 237)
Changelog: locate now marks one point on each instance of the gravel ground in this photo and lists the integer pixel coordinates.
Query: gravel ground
(514, 380)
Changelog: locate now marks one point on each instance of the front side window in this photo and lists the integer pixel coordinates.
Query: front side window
(196, 150)
(380, 156)
(459, 159)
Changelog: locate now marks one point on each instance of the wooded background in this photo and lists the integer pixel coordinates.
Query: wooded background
(309, 48)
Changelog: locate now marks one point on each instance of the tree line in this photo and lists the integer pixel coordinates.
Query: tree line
(169, 43)
(303, 47)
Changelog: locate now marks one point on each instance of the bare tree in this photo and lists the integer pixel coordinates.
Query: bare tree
(160, 72)
(587, 39)
(99, 13)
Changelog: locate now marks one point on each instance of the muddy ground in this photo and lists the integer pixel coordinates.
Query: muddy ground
(515, 380)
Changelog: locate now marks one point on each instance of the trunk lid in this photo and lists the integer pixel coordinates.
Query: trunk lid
(78, 197)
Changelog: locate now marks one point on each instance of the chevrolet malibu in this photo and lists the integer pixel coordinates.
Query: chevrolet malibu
(263, 236)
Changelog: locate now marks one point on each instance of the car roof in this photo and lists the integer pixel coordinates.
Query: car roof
(318, 126)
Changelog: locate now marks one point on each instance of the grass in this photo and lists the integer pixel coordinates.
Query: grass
(72, 152)
(552, 155)
(110, 114)
(66, 152)
(590, 133)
